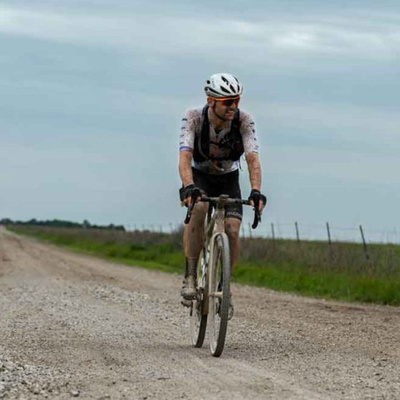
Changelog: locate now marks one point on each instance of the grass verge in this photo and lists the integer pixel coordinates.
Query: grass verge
(362, 285)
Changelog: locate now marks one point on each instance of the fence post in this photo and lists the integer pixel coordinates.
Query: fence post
(297, 232)
(329, 234)
(329, 240)
(250, 233)
(243, 232)
(274, 244)
(364, 243)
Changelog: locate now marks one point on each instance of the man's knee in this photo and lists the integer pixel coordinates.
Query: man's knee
(194, 230)
(200, 208)
(198, 215)
(232, 227)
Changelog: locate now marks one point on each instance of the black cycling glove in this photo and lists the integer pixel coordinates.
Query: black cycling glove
(256, 196)
(188, 191)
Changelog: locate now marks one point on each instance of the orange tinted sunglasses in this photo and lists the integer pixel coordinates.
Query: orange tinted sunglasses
(228, 101)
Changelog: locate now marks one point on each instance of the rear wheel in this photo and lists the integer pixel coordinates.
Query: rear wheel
(198, 310)
(219, 289)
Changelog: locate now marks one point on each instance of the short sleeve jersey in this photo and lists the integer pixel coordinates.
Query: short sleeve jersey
(191, 127)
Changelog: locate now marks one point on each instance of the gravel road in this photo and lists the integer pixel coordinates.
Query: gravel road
(77, 326)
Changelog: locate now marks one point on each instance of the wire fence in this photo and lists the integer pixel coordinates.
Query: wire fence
(295, 231)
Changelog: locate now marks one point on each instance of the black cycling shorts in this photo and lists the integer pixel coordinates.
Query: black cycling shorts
(214, 185)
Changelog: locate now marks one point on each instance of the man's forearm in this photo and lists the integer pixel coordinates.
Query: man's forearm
(185, 167)
(255, 174)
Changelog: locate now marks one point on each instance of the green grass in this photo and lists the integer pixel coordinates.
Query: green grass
(330, 285)
(311, 269)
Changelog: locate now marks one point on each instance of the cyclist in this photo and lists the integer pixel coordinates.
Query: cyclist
(212, 140)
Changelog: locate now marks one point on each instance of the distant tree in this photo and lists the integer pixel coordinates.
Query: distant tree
(86, 224)
(58, 223)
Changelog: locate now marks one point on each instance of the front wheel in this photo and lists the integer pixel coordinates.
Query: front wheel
(219, 292)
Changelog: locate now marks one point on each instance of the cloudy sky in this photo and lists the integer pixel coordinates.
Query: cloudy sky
(92, 93)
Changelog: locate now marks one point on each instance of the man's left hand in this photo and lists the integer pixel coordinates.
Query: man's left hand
(256, 197)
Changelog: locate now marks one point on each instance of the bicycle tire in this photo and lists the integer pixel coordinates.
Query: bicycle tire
(219, 292)
(198, 312)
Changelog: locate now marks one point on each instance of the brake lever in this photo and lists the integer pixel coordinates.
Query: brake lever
(189, 213)
(257, 215)
(194, 196)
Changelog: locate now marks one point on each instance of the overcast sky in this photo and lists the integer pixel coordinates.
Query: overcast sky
(92, 94)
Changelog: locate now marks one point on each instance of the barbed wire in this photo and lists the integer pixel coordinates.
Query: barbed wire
(293, 230)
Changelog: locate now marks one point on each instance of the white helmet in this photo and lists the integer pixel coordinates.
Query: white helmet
(223, 85)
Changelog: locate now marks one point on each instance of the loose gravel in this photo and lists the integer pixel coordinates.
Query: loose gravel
(73, 326)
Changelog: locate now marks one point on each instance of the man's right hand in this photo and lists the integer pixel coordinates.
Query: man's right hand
(186, 194)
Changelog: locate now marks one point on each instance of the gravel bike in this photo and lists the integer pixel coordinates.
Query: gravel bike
(213, 275)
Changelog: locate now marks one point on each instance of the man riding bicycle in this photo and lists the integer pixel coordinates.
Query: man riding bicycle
(213, 139)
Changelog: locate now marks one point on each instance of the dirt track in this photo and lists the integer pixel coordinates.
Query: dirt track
(76, 326)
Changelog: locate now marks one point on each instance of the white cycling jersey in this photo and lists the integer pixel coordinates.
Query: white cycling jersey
(191, 127)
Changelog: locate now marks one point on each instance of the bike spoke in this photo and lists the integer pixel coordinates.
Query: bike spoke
(198, 319)
(219, 294)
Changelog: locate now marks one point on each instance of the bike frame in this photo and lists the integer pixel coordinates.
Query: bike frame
(213, 292)
(213, 228)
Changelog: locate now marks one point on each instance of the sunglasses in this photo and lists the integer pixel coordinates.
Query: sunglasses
(228, 102)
